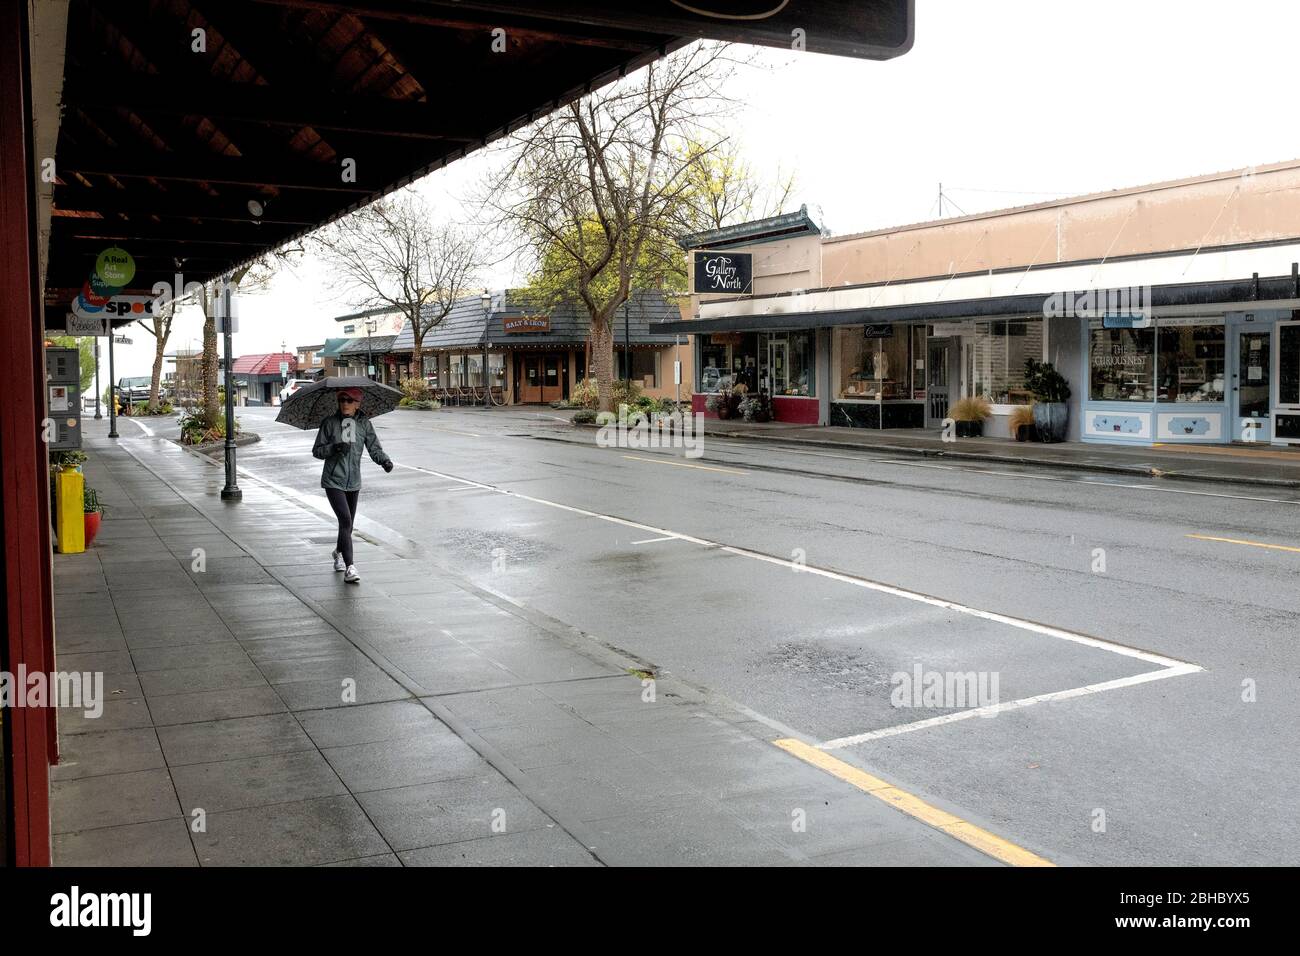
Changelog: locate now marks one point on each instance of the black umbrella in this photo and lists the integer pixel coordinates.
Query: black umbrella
(306, 407)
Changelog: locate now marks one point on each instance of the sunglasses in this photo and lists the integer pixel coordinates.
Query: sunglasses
(350, 401)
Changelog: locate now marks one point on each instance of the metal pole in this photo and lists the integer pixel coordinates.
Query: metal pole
(627, 343)
(98, 413)
(112, 395)
(677, 341)
(231, 492)
(369, 360)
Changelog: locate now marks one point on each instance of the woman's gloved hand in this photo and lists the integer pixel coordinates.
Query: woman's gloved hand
(388, 466)
(340, 447)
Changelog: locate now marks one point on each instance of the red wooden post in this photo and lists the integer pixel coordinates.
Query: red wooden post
(24, 461)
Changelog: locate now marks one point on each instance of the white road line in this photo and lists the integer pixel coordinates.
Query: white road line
(1024, 625)
(993, 709)
(671, 537)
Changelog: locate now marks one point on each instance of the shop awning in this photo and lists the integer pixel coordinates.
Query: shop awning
(1255, 292)
(199, 135)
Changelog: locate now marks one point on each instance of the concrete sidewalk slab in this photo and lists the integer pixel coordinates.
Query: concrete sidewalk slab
(477, 734)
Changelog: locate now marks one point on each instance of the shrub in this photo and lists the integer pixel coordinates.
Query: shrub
(973, 409)
(1047, 384)
(584, 416)
(90, 500)
(584, 394)
(416, 389)
(625, 392)
(423, 404)
(197, 430)
(1021, 415)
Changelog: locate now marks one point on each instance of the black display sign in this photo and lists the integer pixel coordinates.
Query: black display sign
(878, 331)
(727, 273)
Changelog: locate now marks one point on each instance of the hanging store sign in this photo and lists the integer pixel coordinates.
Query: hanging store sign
(1125, 320)
(878, 331)
(726, 338)
(527, 323)
(729, 273)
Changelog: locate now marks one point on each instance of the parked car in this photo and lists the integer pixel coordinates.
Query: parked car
(292, 386)
(131, 390)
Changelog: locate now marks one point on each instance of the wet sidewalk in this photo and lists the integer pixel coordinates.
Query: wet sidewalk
(1262, 464)
(261, 712)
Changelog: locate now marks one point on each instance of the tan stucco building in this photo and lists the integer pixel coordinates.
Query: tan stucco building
(1169, 308)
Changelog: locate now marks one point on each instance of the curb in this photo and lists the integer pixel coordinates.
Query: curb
(1132, 470)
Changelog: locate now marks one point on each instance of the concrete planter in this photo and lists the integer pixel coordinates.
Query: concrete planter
(1051, 419)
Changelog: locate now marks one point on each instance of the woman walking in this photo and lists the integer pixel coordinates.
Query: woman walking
(338, 443)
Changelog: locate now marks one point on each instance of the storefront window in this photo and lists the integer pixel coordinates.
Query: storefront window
(874, 368)
(496, 370)
(1190, 365)
(1288, 365)
(1121, 364)
(715, 359)
(791, 358)
(996, 355)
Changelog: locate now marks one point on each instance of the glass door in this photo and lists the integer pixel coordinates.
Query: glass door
(778, 365)
(937, 381)
(1286, 372)
(1252, 386)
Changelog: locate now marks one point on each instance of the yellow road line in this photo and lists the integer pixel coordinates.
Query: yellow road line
(682, 464)
(957, 828)
(1253, 544)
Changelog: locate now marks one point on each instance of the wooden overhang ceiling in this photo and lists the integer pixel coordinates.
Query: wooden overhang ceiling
(165, 150)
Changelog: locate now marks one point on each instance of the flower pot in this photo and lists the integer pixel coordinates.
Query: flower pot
(1051, 419)
(1026, 432)
(92, 525)
(970, 429)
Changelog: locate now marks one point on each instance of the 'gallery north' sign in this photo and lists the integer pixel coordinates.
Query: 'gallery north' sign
(729, 273)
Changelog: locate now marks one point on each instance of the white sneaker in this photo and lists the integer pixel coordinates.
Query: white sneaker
(351, 575)
(339, 563)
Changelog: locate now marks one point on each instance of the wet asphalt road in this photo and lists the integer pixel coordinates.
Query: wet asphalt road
(1177, 770)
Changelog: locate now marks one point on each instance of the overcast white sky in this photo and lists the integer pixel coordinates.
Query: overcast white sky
(1005, 102)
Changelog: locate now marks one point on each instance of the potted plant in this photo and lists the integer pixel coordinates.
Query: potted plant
(1021, 423)
(1051, 393)
(969, 414)
(726, 399)
(67, 459)
(756, 408)
(93, 511)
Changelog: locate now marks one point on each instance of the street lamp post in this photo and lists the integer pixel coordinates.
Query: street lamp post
(98, 414)
(371, 325)
(231, 492)
(486, 300)
(112, 395)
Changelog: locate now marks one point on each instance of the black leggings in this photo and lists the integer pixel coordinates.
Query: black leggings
(344, 504)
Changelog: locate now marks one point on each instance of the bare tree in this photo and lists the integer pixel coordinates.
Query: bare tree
(392, 254)
(160, 327)
(594, 191)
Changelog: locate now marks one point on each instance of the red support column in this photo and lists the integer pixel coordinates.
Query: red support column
(24, 462)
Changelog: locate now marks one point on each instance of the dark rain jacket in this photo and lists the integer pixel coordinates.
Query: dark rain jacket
(343, 471)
